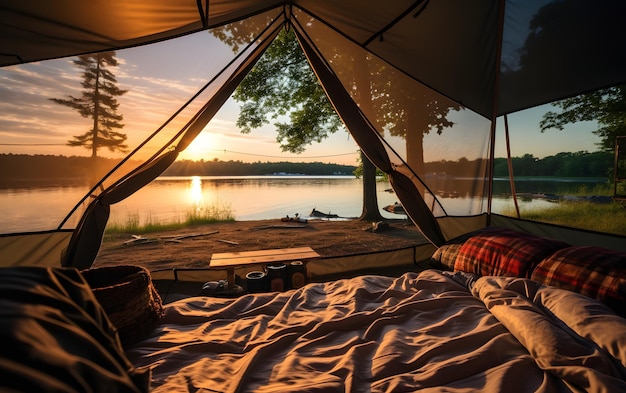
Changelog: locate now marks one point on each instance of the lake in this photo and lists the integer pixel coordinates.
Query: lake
(253, 197)
(171, 198)
(248, 197)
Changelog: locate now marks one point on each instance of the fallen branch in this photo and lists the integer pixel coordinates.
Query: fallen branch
(180, 237)
(277, 227)
(228, 241)
(141, 240)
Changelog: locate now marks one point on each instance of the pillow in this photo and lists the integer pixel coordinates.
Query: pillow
(504, 252)
(445, 256)
(596, 272)
(57, 336)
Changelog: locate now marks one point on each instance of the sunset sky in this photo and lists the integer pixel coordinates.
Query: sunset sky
(158, 84)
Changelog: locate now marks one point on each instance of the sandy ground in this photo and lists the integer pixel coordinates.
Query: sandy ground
(193, 247)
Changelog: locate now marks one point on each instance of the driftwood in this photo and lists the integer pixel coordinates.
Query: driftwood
(319, 214)
(191, 235)
(278, 227)
(138, 239)
(228, 242)
(141, 240)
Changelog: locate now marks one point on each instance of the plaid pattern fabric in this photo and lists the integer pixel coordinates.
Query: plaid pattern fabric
(503, 252)
(445, 256)
(592, 271)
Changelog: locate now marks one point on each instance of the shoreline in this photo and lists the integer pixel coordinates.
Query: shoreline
(192, 247)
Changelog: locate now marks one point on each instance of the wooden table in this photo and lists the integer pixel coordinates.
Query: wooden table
(232, 260)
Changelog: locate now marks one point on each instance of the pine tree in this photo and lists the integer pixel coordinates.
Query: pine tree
(98, 102)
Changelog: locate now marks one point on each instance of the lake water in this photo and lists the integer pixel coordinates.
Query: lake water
(253, 197)
(172, 198)
(247, 197)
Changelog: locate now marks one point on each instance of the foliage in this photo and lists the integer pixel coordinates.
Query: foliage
(42, 169)
(607, 107)
(282, 85)
(23, 169)
(98, 102)
(239, 168)
(566, 164)
(358, 172)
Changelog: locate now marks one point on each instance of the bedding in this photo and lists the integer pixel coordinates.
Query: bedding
(436, 331)
(596, 272)
(56, 337)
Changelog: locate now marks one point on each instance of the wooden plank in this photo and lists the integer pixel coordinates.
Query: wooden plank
(261, 259)
(261, 253)
(261, 256)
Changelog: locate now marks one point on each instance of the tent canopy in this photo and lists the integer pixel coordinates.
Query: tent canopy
(383, 66)
(472, 52)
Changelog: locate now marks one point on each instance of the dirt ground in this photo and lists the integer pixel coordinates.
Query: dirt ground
(193, 247)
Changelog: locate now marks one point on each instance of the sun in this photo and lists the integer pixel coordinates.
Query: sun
(202, 148)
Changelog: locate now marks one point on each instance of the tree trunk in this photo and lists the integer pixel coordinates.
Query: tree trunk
(96, 111)
(370, 212)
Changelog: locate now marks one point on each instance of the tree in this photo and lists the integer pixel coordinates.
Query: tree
(98, 102)
(283, 85)
(606, 106)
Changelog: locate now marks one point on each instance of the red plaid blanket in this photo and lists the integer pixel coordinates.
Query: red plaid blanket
(503, 252)
(592, 271)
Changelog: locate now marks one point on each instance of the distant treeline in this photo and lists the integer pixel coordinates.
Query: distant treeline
(240, 168)
(16, 169)
(578, 164)
(40, 170)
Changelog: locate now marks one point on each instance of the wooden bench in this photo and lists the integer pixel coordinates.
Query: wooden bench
(232, 260)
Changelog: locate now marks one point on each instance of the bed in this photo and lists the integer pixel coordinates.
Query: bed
(433, 330)
(503, 311)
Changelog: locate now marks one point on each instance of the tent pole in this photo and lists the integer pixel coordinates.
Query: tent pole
(510, 164)
(494, 113)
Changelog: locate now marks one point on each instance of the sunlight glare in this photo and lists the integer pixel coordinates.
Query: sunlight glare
(195, 190)
(202, 148)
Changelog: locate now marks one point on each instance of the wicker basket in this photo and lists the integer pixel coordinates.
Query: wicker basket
(128, 296)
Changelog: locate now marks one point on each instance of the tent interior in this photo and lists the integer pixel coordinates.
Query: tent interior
(433, 93)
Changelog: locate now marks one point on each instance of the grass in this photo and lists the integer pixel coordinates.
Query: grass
(597, 189)
(197, 215)
(608, 217)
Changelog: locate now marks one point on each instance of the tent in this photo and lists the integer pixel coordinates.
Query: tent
(383, 65)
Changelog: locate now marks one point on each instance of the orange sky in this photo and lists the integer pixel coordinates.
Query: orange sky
(161, 77)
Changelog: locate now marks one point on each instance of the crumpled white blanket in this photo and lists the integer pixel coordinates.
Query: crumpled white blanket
(433, 331)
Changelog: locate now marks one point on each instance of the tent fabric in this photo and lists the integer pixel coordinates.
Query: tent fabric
(86, 239)
(85, 243)
(384, 67)
(366, 137)
(449, 45)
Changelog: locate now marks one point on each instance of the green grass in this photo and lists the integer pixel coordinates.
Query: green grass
(197, 215)
(608, 218)
(596, 189)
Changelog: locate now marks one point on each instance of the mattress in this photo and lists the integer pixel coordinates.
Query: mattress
(434, 330)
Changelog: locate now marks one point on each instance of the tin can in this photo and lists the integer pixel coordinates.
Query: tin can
(297, 274)
(256, 282)
(277, 277)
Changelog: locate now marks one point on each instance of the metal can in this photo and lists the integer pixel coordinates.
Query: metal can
(256, 282)
(297, 274)
(277, 277)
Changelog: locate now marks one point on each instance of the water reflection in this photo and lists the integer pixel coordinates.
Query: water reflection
(195, 191)
(250, 198)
